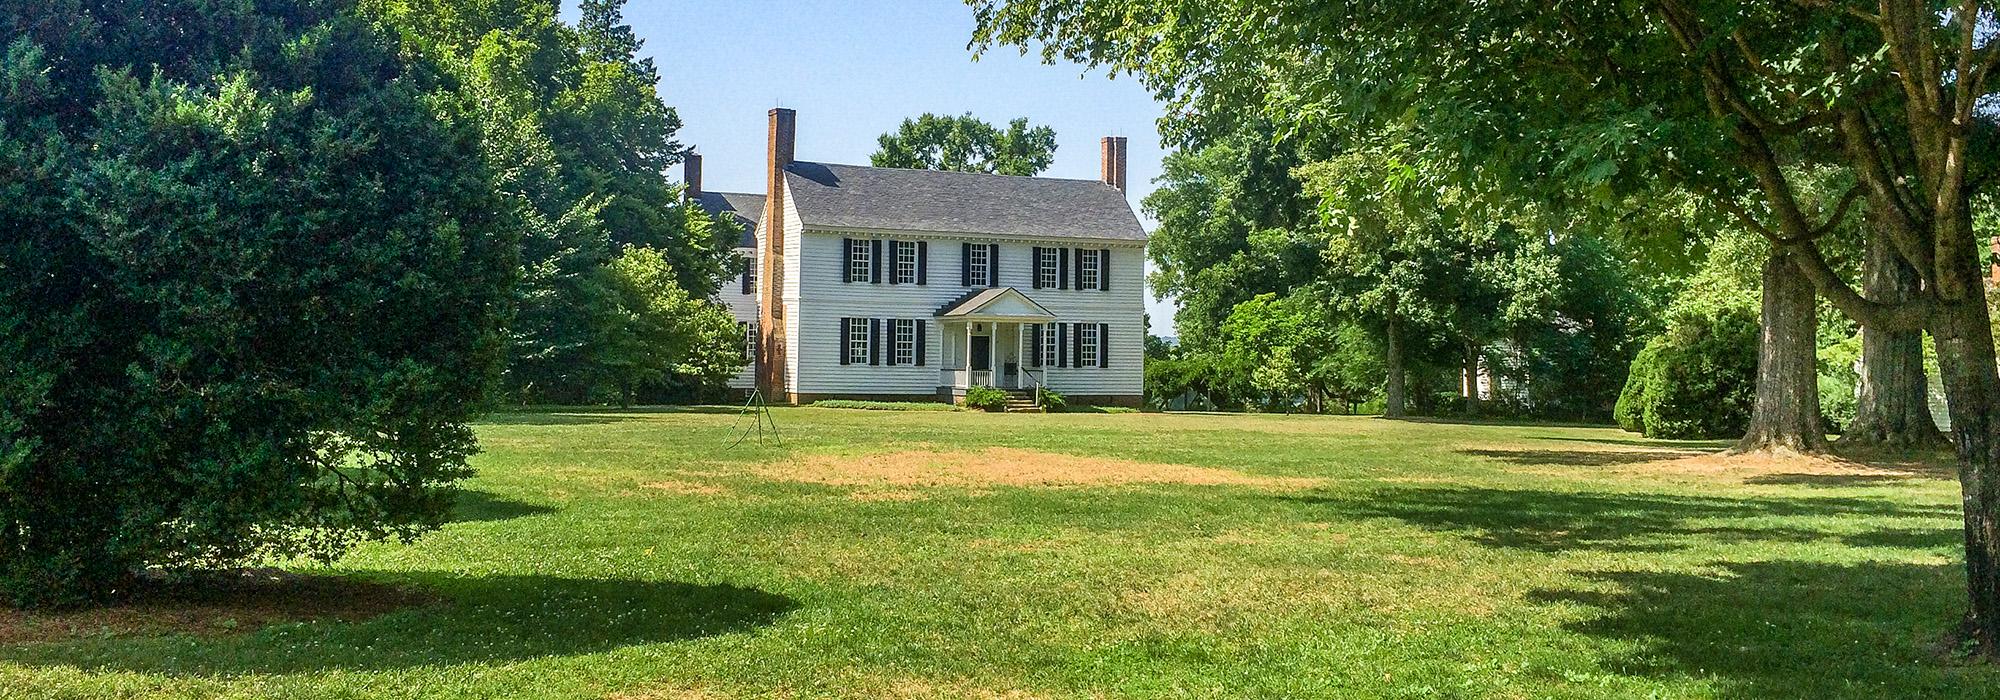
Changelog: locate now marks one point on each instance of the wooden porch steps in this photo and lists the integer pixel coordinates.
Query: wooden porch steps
(1022, 401)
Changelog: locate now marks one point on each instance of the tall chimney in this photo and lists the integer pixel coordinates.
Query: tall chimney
(771, 233)
(691, 172)
(1114, 162)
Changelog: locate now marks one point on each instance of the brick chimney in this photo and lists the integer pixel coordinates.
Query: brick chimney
(691, 173)
(771, 233)
(1114, 162)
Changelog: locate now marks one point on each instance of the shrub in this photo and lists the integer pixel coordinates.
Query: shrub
(1701, 380)
(1630, 409)
(884, 405)
(253, 292)
(985, 398)
(1053, 400)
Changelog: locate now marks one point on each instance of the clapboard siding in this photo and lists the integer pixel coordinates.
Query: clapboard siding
(743, 307)
(816, 257)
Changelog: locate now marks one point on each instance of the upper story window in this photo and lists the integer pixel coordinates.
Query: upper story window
(1048, 272)
(860, 266)
(1086, 350)
(1089, 269)
(749, 273)
(906, 341)
(905, 255)
(981, 261)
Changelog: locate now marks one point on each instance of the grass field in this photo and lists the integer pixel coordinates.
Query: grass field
(636, 555)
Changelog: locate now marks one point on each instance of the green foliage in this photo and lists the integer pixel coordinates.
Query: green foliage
(1703, 381)
(1630, 411)
(1053, 400)
(968, 145)
(574, 124)
(985, 398)
(652, 330)
(251, 292)
(884, 405)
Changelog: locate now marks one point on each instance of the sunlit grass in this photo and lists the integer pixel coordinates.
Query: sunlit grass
(935, 555)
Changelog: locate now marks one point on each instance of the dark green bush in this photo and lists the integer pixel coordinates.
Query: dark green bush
(252, 284)
(1053, 401)
(1630, 409)
(1699, 378)
(985, 398)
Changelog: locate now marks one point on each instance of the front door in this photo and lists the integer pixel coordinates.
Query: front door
(982, 352)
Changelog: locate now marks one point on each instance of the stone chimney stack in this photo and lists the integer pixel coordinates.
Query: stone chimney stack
(771, 233)
(1114, 162)
(691, 172)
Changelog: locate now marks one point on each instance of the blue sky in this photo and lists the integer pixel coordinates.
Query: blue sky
(854, 70)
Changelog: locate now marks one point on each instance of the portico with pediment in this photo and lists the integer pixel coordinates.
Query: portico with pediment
(991, 338)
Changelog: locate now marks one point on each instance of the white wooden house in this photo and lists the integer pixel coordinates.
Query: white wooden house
(915, 285)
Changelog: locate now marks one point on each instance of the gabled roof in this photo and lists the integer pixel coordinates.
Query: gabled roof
(853, 197)
(998, 303)
(748, 209)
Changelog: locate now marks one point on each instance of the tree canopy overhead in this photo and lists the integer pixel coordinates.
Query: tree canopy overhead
(1727, 99)
(968, 145)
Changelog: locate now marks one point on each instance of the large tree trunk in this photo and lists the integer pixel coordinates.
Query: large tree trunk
(1894, 407)
(1786, 413)
(1965, 360)
(1394, 394)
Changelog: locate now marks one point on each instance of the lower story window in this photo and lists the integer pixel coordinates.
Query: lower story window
(857, 341)
(749, 340)
(906, 341)
(1049, 345)
(1086, 351)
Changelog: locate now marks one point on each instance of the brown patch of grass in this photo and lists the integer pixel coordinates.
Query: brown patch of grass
(220, 604)
(1002, 466)
(684, 487)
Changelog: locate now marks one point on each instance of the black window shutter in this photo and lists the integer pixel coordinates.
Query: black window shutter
(1104, 270)
(923, 331)
(1062, 345)
(1076, 339)
(847, 260)
(875, 261)
(1062, 269)
(965, 265)
(874, 348)
(993, 265)
(842, 345)
(1035, 345)
(895, 262)
(747, 267)
(923, 262)
(1104, 345)
(1038, 267)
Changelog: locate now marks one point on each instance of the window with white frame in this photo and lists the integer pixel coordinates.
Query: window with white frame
(859, 266)
(749, 340)
(1086, 351)
(1089, 270)
(749, 274)
(906, 261)
(857, 341)
(1049, 345)
(982, 266)
(1046, 269)
(906, 341)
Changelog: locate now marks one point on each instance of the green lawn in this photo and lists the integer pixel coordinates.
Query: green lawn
(947, 555)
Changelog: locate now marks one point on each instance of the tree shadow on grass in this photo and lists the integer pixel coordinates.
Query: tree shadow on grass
(1785, 629)
(477, 620)
(1551, 521)
(1580, 458)
(481, 506)
(1828, 480)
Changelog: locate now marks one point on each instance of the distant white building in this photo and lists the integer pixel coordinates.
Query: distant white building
(915, 284)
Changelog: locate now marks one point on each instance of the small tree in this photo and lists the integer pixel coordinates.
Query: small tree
(967, 145)
(653, 330)
(251, 291)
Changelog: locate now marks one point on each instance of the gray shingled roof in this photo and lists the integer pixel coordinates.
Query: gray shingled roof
(891, 199)
(748, 208)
